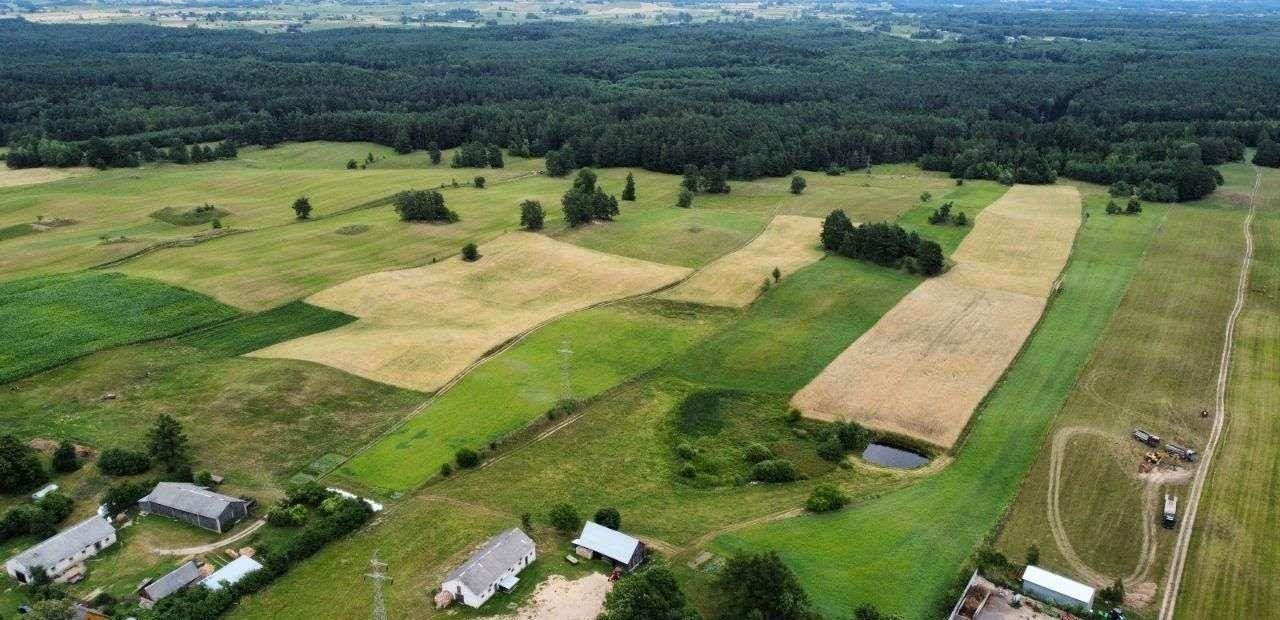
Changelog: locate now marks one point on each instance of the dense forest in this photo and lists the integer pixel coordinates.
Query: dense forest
(1147, 99)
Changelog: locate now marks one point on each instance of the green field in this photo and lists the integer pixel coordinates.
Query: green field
(46, 321)
(1230, 568)
(506, 393)
(904, 551)
(257, 331)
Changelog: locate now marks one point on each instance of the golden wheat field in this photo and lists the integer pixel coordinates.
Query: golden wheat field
(419, 327)
(788, 243)
(33, 176)
(925, 366)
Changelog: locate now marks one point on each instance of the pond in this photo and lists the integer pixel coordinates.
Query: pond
(889, 456)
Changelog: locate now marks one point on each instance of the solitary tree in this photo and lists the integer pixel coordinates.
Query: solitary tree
(467, 458)
(629, 191)
(167, 444)
(649, 594)
(302, 208)
(433, 152)
(797, 184)
(531, 215)
(478, 182)
(352, 164)
(470, 253)
(608, 517)
(64, 458)
(925, 197)
(685, 200)
(777, 274)
(760, 586)
(564, 518)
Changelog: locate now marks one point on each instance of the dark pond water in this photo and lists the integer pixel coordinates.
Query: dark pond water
(888, 456)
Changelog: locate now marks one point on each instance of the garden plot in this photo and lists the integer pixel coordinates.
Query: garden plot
(420, 327)
(927, 363)
(735, 280)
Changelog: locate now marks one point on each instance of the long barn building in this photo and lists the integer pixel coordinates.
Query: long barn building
(195, 505)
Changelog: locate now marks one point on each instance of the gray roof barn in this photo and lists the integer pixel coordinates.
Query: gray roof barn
(194, 504)
(489, 563)
(180, 578)
(67, 543)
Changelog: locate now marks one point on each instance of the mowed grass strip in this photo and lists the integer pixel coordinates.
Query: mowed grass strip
(787, 244)
(904, 551)
(927, 364)
(420, 327)
(46, 321)
(609, 345)
(1230, 568)
(256, 331)
(1155, 368)
(786, 338)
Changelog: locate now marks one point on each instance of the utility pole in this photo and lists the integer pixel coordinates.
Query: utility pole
(378, 576)
(566, 388)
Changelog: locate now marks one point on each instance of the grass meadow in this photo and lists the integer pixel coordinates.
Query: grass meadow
(1230, 569)
(46, 321)
(904, 551)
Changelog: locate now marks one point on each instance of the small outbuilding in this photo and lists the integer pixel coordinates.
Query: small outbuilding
(231, 574)
(63, 551)
(492, 568)
(1043, 585)
(195, 505)
(598, 541)
(181, 577)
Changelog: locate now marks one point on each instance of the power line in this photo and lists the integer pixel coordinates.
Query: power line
(566, 376)
(378, 576)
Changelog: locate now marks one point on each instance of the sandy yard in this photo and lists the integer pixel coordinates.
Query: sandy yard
(558, 598)
(924, 367)
(788, 243)
(419, 327)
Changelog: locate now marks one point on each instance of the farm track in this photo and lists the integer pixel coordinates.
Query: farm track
(1177, 562)
(213, 546)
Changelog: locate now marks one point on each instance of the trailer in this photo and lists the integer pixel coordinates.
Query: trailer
(1145, 437)
(1184, 453)
(1170, 517)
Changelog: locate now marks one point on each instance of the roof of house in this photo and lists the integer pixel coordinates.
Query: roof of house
(1058, 583)
(190, 498)
(607, 542)
(486, 566)
(176, 580)
(231, 574)
(66, 543)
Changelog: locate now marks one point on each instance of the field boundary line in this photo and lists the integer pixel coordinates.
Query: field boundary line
(1169, 600)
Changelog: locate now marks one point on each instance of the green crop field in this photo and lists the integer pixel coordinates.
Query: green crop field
(904, 551)
(504, 394)
(1230, 568)
(46, 321)
(256, 331)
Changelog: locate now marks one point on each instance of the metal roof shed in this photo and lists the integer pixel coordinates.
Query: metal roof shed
(1053, 588)
(231, 574)
(611, 544)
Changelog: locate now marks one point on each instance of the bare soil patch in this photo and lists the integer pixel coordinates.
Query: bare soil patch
(788, 243)
(924, 367)
(558, 598)
(420, 327)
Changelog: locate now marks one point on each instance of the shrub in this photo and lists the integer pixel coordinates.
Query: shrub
(287, 516)
(470, 253)
(793, 416)
(797, 184)
(532, 215)
(307, 494)
(825, 498)
(64, 458)
(685, 199)
(20, 467)
(688, 470)
(774, 470)
(684, 451)
(204, 479)
(122, 496)
(700, 413)
(423, 206)
(467, 458)
(564, 518)
(853, 437)
(446, 470)
(119, 462)
(478, 182)
(756, 452)
(831, 449)
(608, 517)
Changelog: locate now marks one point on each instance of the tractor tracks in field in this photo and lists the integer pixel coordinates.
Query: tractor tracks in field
(1177, 562)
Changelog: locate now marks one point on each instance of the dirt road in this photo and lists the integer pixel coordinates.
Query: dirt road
(1170, 599)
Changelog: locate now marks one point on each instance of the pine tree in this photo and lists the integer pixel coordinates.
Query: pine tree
(495, 156)
(167, 444)
(433, 152)
(629, 191)
(692, 180)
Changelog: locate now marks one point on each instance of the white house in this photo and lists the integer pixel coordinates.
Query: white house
(598, 541)
(1043, 585)
(494, 567)
(61, 552)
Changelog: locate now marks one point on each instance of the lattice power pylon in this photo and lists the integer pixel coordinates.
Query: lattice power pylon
(378, 576)
(566, 375)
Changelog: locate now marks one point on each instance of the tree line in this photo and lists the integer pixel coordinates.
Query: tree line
(881, 243)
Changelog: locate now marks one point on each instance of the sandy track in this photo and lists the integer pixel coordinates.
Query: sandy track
(1177, 563)
(734, 280)
(420, 327)
(213, 546)
(927, 363)
(558, 598)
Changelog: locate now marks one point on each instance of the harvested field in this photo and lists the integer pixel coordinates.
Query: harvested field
(420, 327)
(34, 176)
(927, 363)
(787, 244)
